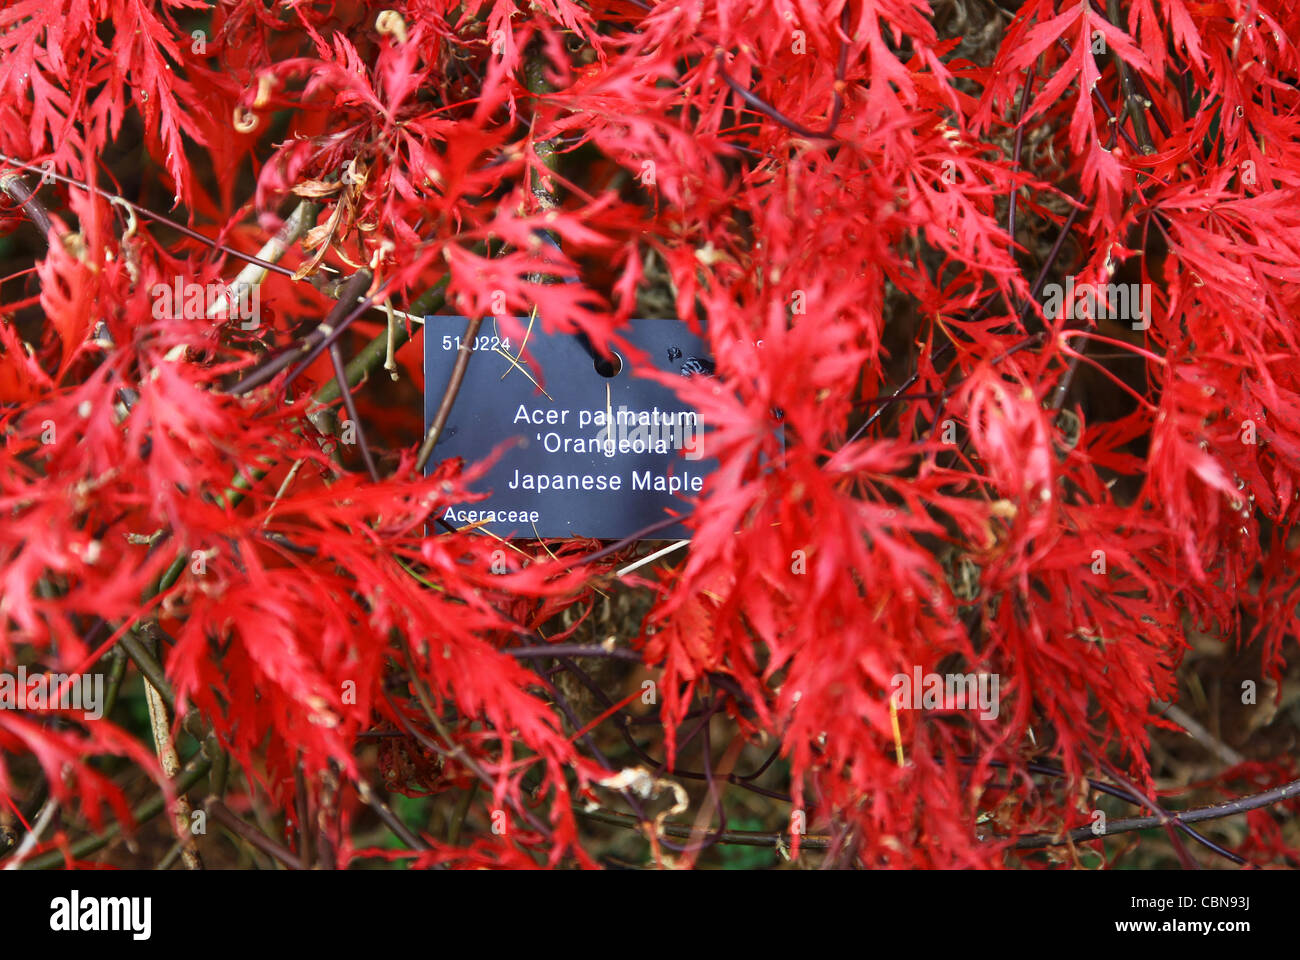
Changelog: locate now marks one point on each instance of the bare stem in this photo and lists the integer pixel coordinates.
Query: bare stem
(23, 195)
(463, 354)
(226, 817)
(1214, 812)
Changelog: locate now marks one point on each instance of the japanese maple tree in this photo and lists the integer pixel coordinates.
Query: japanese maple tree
(865, 207)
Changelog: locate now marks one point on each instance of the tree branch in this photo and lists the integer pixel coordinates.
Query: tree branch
(1214, 812)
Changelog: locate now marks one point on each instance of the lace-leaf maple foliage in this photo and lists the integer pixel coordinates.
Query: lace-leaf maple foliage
(862, 216)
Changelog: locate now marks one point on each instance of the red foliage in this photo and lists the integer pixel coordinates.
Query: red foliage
(828, 178)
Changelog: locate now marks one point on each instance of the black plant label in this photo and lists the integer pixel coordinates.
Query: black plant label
(591, 448)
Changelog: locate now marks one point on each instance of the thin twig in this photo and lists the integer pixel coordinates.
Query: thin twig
(1214, 812)
(1167, 821)
(1136, 103)
(160, 729)
(319, 339)
(390, 819)
(452, 749)
(1216, 746)
(227, 818)
(350, 404)
(33, 838)
(149, 668)
(150, 215)
(572, 650)
(463, 353)
(144, 812)
(25, 197)
(746, 838)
